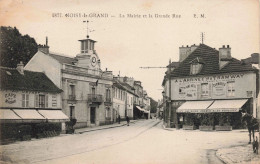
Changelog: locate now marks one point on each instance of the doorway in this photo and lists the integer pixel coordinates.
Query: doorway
(92, 115)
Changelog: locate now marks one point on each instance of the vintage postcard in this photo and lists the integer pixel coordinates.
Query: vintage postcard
(129, 81)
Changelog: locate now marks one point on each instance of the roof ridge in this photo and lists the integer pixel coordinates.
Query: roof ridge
(53, 53)
(2, 67)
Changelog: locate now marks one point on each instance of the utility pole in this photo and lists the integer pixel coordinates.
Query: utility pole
(169, 101)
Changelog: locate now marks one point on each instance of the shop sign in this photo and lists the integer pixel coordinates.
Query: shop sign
(188, 91)
(10, 98)
(219, 88)
(209, 78)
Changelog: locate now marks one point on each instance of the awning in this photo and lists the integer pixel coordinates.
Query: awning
(8, 116)
(227, 105)
(145, 111)
(194, 107)
(141, 109)
(54, 115)
(29, 115)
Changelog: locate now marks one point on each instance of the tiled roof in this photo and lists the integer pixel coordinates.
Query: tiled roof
(11, 79)
(174, 64)
(123, 86)
(210, 58)
(63, 59)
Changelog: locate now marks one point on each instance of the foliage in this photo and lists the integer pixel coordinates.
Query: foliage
(224, 119)
(190, 119)
(41, 127)
(208, 119)
(8, 131)
(15, 47)
(24, 130)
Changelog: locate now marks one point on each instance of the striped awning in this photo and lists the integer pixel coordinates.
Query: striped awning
(194, 107)
(227, 105)
(7, 115)
(54, 115)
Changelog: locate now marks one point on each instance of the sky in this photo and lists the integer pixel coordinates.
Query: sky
(150, 37)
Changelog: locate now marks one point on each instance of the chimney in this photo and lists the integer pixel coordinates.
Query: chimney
(193, 47)
(20, 68)
(255, 58)
(44, 48)
(224, 56)
(184, 52)
(225, 53)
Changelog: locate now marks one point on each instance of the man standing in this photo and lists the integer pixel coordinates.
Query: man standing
(119, 119)
(127, 120)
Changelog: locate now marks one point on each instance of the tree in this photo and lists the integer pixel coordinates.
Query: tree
(153, 105)
(15, 47)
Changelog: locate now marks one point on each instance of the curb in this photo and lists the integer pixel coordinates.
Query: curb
(103, 128)
(169, 129)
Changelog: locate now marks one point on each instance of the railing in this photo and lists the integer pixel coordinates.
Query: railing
(108, 100)
(95, 98)
(72, 97)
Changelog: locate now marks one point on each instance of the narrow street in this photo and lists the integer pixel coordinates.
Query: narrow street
(144, 141)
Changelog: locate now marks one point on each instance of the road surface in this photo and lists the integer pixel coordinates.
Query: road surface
(145, 141)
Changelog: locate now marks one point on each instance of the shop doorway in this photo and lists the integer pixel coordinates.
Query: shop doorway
(92, 115)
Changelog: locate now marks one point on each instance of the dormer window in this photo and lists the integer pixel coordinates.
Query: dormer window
(196, 66)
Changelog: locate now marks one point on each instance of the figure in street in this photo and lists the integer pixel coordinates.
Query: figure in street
(251, 123)
(127, 120)
(255, 145)
(119, 119)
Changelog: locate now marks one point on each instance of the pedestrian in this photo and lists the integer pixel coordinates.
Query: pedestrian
(127, 120)
(119, 119)
(255, 145)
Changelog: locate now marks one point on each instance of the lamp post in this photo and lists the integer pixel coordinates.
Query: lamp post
(164, 110)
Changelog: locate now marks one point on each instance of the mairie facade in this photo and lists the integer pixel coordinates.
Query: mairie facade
(86, 88)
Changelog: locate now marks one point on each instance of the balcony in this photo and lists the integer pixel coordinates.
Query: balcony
(94, 98)
(72, 97)
(108, 101)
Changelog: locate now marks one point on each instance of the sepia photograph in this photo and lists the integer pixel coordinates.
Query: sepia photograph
(129, 81)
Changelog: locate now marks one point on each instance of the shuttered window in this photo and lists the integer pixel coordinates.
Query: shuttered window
(25, 100)
(37, 101)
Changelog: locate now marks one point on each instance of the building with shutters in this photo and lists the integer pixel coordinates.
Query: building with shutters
(28, 98)
(209, 81)
(87, 88)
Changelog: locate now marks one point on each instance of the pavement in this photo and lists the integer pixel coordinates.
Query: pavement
(238, 154)
(89, 129)
(234, 154)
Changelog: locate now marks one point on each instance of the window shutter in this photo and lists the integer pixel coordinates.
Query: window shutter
(210, 89)
(46, 101)
(37, 101)
(198, 91)
(27, 100)
(23, 100)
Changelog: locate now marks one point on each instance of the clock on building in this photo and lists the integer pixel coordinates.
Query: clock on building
(93, 61)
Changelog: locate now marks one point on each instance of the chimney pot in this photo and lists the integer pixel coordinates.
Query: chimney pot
(187, 46)
(20, 68)
(223, 46)
(227, 46)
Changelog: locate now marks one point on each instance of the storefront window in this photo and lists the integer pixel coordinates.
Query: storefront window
(231, 89)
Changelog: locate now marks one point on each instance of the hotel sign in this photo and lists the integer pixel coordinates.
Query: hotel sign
(209, 78)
